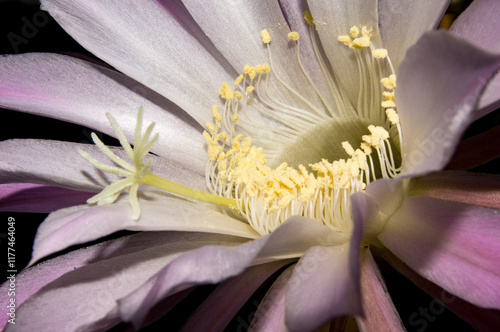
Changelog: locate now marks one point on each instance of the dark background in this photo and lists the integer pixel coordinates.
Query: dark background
(24, 28)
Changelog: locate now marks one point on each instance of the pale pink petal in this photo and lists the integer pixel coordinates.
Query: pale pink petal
(334, 19)
(84, 298)
(57, 163)
(379, 313)
(466, 187)
(144, 42)
(29, 197)
(214, 264)
(227, 299)
(270, 315)
(479, 25)
(433, 115)
(479, 318)
(81, 92)
(452, 244)
(324, 285)
(81, 224)
(401, 24)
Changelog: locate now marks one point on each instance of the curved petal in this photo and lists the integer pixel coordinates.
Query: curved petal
(214, 264)
(81, 92)
(334, 19)
(453, 245)
(270, 315)
(82, 224)
(479, 24)
(402, 23)
(29, 197)
(57, 163)
(465, 187)
(324, 284)
(228, 298)
(235, 30)
(379, 311)
(160, 54)
(439, 85)
(85, 298)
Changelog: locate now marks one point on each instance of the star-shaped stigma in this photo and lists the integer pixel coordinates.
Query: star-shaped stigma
(132, 174)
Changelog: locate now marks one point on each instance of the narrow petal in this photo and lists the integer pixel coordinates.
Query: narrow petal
(401, 24)
(82, 224)
(324, 284)
(227, 299)
(85, 298)
(453, 245)
(156, 48)
(214, 264)
(29, 197)
(334, 19)
(57, 163)
(379, 313)
(465, 187)
(81, 92)
(479, 24)
(270, 315)
(476, 150)
(439, 84)
(479, 318)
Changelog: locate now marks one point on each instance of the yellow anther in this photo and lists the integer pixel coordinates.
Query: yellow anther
(348, 148)
(213, 151)
(266, 68)
(238, 95)
(250, 89)
(308, 17)
(235, 117)
(226, 92)
(293, 36)
(367, 149)
(380, 53)
(210, 128)
(346, 40)
(266, 37)
(392, 116)
(216, 115)
(361, 42)
(389, 82)
(389, 103)
(207, 137)
(354, 31)
(238, 80)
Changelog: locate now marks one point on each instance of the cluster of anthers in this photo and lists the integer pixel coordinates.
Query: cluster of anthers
(238, 175)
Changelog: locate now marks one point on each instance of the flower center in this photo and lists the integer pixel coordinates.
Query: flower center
(281, 158)
(274, 153)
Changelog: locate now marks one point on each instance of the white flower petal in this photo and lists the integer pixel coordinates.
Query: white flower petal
(143, 41)
(81, 92)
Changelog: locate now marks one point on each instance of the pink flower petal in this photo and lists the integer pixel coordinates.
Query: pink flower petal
(379, 313)
(144, 42)
(465, 187)
(79, 290)
(29, 197)
(452, 244)
(433, 115)
(479, 318)
(51, 85)
(270, 315)
(213, 264)
(81, 224)
(227, 299)
(479, 24)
